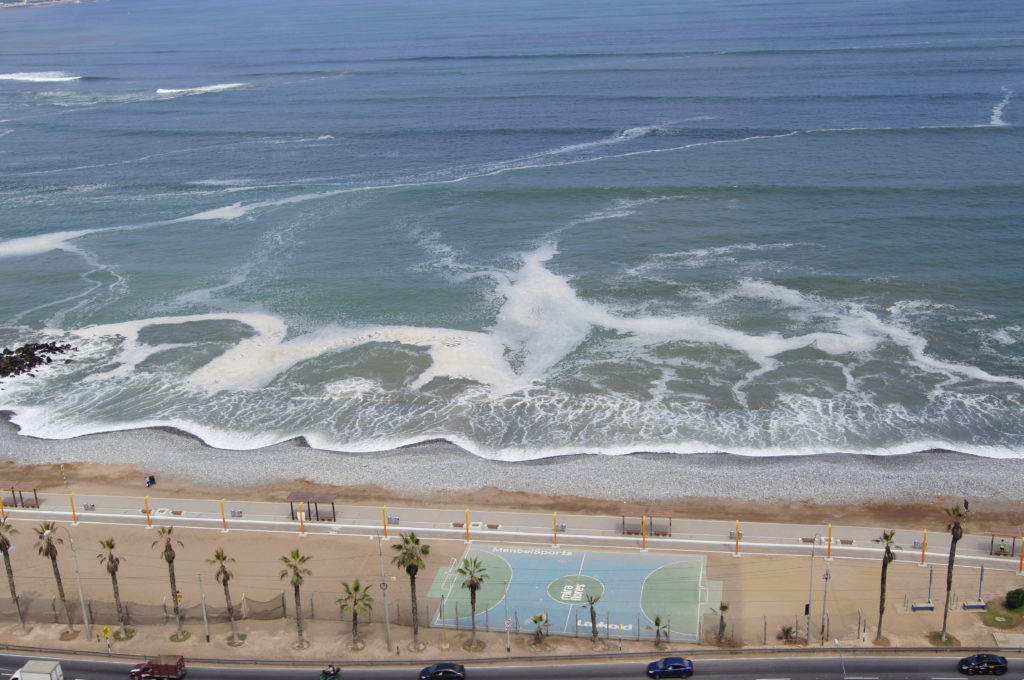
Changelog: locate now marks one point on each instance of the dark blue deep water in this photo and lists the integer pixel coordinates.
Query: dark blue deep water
(530, 228)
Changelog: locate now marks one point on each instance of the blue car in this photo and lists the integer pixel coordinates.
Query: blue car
(670, 667)
(444, 671)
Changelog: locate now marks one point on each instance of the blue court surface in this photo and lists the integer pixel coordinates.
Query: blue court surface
(633, 589)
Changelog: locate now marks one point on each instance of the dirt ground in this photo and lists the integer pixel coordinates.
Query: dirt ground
(764, 593)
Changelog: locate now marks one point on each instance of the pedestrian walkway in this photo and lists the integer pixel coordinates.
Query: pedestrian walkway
(492, 526)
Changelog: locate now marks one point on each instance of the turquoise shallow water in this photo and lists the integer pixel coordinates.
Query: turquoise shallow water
(531, 229)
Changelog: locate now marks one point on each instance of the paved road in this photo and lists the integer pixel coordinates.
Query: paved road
(838, 667)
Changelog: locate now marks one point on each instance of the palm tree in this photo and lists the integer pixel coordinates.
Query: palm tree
(723, 607)
(659, 628)
(6, 531)
(223, 576)
(168, 553)
(410, 557)
(46, 545)
(296, 574)
(113, 563)
(539, 620)
(357, 600)
(957, 518)
(887, 539)
(591, 601)
(475, 574)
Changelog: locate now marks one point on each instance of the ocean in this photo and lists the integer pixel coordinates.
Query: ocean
(530, 229)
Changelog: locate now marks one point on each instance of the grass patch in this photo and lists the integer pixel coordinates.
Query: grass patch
(935, 638)
(129, 633)
(997, 616)
(237, 641)
(185, 635)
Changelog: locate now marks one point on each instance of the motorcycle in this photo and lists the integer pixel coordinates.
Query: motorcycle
(330, 673)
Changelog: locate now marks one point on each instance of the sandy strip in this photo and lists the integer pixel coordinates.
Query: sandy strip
(839, 488)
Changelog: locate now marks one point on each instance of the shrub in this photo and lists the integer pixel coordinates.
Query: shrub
(1015, 598)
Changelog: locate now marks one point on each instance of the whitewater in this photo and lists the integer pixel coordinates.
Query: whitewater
(645, 229)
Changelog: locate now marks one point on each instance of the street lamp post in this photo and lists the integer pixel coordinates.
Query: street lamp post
(824, 606)
(78, 578)
(810, 590)
(384, 592)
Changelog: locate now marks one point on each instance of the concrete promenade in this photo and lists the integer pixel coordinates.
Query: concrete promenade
(513, 527)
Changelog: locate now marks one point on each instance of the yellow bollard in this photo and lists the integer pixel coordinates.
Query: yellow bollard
(149, 520)
(223, 518)
(736, 553)
(74, 515)
(924, 545)
(828, 549)
(467, 525)
(384, 519)
(302, 520)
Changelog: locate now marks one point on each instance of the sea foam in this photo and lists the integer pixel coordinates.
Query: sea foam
(40, 77)
(206, 89)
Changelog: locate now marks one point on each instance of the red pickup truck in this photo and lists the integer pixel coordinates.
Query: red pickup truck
(163, 667)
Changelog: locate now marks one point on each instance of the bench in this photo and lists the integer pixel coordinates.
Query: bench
(808, 540)
(493, 526)
(176, 513)
(732, 535)
(924, 607)
(846, 541)
(458, 525)
(1001, 552)
(975, 605)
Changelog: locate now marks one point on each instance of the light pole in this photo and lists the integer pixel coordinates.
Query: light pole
(824, 606)
(384, 592)
(78, 578)
(810, 590)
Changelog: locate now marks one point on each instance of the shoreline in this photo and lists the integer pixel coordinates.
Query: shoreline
(868, 490)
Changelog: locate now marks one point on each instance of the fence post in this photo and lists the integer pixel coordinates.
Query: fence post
(765, 635)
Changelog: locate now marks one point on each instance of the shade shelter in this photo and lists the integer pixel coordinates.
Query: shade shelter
(638, 519)
(18, 490)
(313, 501)
(998, 536)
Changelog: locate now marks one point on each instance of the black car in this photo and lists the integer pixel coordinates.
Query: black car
(444, 671)
(992, 664)
(670, 667)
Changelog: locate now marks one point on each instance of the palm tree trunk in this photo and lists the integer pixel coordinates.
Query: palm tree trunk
(472, 609)
(881, 597)
(355, 626)
(231, 612)
(593, 623)
(117, 604)
(10, 582)
(298, 614)
(60, 590)
(174, 596)
(949, 582)
(415, 612)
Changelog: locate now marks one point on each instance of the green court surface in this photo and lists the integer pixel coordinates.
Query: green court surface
(633, 589)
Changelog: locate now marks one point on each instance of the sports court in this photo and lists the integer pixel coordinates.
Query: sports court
(634, 588)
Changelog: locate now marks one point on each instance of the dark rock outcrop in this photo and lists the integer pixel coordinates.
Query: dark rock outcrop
(27, 357)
